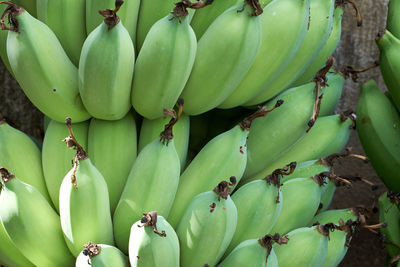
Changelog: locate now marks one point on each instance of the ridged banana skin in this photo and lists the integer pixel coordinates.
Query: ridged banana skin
(128, 14)
(389, 63)
(390, 213)
(163, 66)
(22, 214)
(250, 253)
(29, 5)
(205, 235)
(57, 160)
(337, 248)
(326, 51)
(85, 212)
(66, 18)
(320, 23)
(151, 129)
(155, 173)
(105, 71)
(393, 19)
(332, 94)
(378, 126)
(146, 248)
(257, 209)
(284, 27)
(224, 55)
(109, 256)
(306, 193)
(21, 156)
(9, 254)
(114, 159)
(223, 156)
(43, 70)
(329, 135)
(306, 247)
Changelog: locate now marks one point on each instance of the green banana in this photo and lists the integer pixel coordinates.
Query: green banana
(284, 27)
(207, 226)
(224, 55)
(154, 173)
(151, 129)
(101, 255)
(254, 252)
(149, 247)
(106, 68)
(66, 18)
(389, 211)
(31, 223)
(332, 92)
(21, 156)
(378, 125)
(320, 23)
(329, 135)
(128, 14)
(170, 42)
(389, 63)
(52, 85)
(3, 43)
(393, 20)
(84, 202)
(307, 245)
(29, 5)
(223, 156)
(46, 122)
(112, 147)
(56, 160)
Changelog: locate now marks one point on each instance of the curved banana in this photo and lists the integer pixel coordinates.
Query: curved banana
(224, 55)
(3, 43)
(66, 18)
(332, 92)
(393, 20)
(153, 242)
(21, 156)
(378, 124)
(207, 226)
(99, 255)
(56, 160)
(112, 147)
(163, 65)
(151, 129)
(320, 23)
(284, 27)
(154, 173)
(128, 14)
(52, 85)
(31, 223)
(84, 202)
(389, 63)
(106, 68)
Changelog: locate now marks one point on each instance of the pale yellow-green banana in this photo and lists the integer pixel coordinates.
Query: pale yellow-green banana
(101, 255)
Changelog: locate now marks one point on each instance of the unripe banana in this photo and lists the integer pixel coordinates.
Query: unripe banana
(332, 93)
(66, 18)
(56, 160)
(153, 242)
(284, 27)
(207, 227)
(3, 43)
(21, 156)
(393, 19)
(101, 255)
(106, 68)
(112, 147)
(223, 156)
(254, 252)
(151, 129)
(319, 27)
(52, 85)
(389, 63)
(307, 246)
(170, 42)
(154, 173)
(224, 55)
(31, 223)
(84, 202)
(378, 125)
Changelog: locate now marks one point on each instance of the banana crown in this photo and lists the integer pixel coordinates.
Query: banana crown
(167, 134)
(262, 112)
(150, 219)
(12, 10)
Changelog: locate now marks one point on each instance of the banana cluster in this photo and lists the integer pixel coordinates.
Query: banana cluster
(173, 182)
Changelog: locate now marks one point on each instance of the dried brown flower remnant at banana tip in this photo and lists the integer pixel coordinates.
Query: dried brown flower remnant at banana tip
(150, 219)
(268, 240)
(12, 11)
(110, 15)
(261, 112)
(167, 134)
(91, 249)
(275, 177)
(5, 176)
(180, 9)
(223, 189)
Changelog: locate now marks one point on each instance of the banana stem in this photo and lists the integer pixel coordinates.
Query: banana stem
(150, 219)
(12, 10)
(262, 112)
(167, 134)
